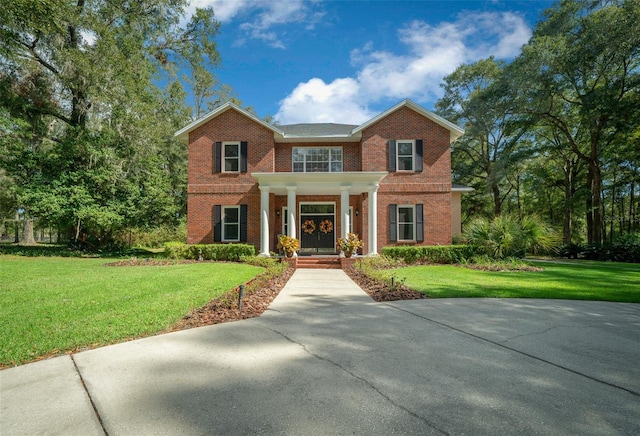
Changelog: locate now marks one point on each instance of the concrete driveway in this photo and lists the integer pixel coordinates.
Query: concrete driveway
(325, 359)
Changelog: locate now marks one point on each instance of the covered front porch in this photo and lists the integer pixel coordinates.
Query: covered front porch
(317, 208)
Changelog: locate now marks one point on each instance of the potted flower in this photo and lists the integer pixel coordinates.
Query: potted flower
(349, 244)
(288, 244)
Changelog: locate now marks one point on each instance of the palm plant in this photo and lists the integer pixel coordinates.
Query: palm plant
(506, 236)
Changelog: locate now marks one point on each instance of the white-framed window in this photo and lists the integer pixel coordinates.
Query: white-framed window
(231, 157)
(231, 223)
(317, 159)
(406, 223)
(405, 149)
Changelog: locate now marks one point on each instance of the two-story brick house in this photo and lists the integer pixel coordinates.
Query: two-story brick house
(388, 180)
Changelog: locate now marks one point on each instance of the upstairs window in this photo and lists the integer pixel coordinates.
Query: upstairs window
(231, 157)
(404, 155)
(317, 159)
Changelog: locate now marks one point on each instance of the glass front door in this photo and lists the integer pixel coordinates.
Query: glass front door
(317, 228)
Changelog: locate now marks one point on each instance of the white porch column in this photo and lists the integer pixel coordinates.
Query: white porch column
(344, 209)
(373, 220)
(291, 211)
(264, 221)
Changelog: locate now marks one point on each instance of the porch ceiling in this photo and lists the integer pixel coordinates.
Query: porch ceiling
(320, 183)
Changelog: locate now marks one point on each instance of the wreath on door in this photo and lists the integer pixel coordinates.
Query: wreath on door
(309, 226)
(326, 226)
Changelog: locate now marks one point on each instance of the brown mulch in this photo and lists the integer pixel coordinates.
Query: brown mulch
(257, 297)
(380, 291)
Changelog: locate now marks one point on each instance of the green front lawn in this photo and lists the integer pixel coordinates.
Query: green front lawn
(52, 304)
(575, 281)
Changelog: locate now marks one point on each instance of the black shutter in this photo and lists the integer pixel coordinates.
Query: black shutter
(217, 157)
(243, 156)
(393, 222)
(392, 155)
(419, 223)
(243, 222)
(418, 163)
(217, 223)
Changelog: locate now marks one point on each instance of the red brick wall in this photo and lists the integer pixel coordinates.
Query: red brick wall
(431, 187)
(207, 188)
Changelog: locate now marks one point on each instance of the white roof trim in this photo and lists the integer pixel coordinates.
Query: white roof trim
(183, 134)
(455, 130)
(356, 134)
(357, 182)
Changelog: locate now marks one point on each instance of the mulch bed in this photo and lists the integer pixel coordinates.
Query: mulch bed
(256, 299)
(381, 292)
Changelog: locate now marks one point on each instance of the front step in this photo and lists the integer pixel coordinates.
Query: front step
(319, 262)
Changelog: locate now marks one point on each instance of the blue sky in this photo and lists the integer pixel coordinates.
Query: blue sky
(346, 61)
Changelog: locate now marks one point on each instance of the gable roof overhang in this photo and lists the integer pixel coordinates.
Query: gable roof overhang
(455, 131)
(183, 134)
(340, 134)
(357, 182)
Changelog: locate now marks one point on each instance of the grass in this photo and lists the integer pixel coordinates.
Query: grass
(50, 304)
(572, 281)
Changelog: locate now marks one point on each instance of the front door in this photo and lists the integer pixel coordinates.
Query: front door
(317, 228)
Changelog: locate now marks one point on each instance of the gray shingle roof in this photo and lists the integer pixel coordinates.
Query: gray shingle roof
(317, 129)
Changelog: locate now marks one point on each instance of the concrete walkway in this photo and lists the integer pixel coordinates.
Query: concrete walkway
(325, 359)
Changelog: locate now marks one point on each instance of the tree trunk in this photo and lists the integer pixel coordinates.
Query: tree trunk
(27, 233)
(589, 206)
(568, 200)
(497, 201)
(16, 231)
(596, 189)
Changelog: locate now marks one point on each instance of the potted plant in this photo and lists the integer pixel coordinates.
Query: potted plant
(288, 244)
(349, 244)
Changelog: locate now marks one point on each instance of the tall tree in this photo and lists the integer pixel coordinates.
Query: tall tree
(580, 75)
(82, 76)
(476, 98)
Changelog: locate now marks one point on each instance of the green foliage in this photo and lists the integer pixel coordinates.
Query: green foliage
(444, 254)
(155, 237)
(87, 144)
(222, 252)
(505, 236)
(625, 248)
(263, 261)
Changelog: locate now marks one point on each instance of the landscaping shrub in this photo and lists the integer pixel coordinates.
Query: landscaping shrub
(444, 254)
(625, 248)
(507, 236)
(152, 237)
(222, 252)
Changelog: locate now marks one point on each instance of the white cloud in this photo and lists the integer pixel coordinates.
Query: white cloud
(264, 16)
(432, 53)
(317, 101)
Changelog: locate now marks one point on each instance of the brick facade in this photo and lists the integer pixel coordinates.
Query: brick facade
(265, 154)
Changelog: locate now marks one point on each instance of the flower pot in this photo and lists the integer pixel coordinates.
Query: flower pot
(348, 253)
(289, 253)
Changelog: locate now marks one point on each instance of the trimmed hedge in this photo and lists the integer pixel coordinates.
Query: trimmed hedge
(444, 254)
(224, 252)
